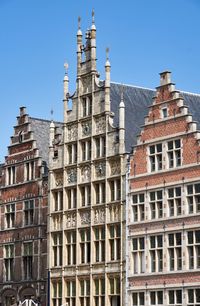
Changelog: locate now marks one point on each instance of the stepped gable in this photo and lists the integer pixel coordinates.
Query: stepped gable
(137, 101)
(40, 127)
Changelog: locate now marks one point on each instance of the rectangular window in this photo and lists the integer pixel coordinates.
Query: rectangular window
(71, 247)
(174, 201)
(156, 297)
(85, 245)
(115, 190)
(29, 171)
(174, 153)
(70, 293)
(9, 261)
(114, 292)
(58, 200)
(28, 260)
(155, 157)
(193, 248)
(164, 112)
(156, 204)
(99, 242)
(115, 241)
(87, 106)
(85, 195)
(99, 292)
(100, 144)
(84, 292)
(57, 249)
(72, 153)
(57, 293)
(193, 297)
(138, 207)
(175, 251)
(28, 212)
(138, 299)
(72, 198)
(138, 255)
(175, 297)
(11, 175)
(10, 215)
(100, 191)
(86, 150)
(193, 198)
(156, 253)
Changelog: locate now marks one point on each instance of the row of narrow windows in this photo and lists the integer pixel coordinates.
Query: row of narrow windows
(85, 193)
(27, 261)
(170, 297)
(86, 149)
(29, 173)
(148, 254)
(84, 293)
(168, 202)
(28, 214)
(85, 244)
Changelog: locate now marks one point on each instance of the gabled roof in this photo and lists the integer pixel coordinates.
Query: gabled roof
(40, 128)
(137, 100)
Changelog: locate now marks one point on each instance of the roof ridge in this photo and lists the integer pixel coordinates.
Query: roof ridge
(45, 120)
(129, 85)
(190, 93)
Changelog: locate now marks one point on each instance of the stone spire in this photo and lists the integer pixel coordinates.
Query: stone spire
(107, 82)
(122, 123)
(93, 44)
(65, 91)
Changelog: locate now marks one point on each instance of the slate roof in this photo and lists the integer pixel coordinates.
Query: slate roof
(137, 100)
(40, 128)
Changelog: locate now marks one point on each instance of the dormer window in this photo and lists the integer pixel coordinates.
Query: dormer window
(87, 106)
(164, 112)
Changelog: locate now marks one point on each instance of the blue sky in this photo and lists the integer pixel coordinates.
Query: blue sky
(145, 37)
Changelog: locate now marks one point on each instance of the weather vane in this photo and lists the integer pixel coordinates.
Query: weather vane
(66, 66)
(79, 22)
(107, 53)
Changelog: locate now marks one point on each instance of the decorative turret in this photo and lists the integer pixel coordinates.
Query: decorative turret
(107, 82)
(79, 47)
(93, 44)
(51, 132)
(122, 124)
(65, 91)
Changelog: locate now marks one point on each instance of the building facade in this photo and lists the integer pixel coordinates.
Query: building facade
(163, 217)
(87, 191)
(23, 214)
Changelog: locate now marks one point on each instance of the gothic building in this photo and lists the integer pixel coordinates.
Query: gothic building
(163, 207)
(87, 191)
(23, 213)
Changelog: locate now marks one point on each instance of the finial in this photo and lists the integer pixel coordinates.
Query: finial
(52, 114)
(66, 66)
(79, 22)
(107, 54)
(122, 92)
(93, 16)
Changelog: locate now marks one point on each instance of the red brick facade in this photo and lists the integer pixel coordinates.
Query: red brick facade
(23, 223)
(164, 209)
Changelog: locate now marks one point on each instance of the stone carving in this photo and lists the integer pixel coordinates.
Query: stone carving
(99, 215)
(86, 128)
(72, 132)
(100, 125)
(72, 175)
(59, 180)
(115, 167)
(114, 213)
(100, 169)
(86, 173)
(85, 217)
(71, 219)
